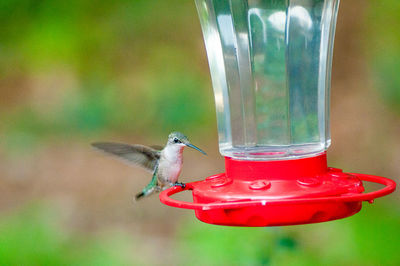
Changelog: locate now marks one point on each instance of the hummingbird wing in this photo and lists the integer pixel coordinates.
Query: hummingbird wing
(136, 154)
(157, 147)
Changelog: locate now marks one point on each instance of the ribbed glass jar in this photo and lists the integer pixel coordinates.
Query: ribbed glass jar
(270, 63)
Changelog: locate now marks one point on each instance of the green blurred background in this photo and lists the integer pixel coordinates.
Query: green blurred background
(72, 72)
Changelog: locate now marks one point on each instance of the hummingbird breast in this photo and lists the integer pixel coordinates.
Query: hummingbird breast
(169, 173)
(170, 164)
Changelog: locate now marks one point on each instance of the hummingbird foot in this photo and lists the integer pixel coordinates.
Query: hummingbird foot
(182, 185)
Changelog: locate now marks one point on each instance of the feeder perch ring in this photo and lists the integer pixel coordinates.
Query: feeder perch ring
(273, 212)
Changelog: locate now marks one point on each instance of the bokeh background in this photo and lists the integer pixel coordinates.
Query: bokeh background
(73, 72)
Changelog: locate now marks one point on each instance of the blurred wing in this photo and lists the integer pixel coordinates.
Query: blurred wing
(131, 154)
(157, 147)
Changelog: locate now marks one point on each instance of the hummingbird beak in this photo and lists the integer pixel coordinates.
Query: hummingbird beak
(194, 147)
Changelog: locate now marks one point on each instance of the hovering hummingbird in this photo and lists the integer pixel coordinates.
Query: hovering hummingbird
(165, 163)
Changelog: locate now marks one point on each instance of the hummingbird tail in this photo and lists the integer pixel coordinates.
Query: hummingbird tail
(150, 188)
(140, 195)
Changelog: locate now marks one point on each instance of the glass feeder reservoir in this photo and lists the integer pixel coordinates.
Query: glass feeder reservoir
(270, 63)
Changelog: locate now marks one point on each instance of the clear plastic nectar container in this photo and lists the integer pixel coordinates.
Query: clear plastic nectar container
(270, 63)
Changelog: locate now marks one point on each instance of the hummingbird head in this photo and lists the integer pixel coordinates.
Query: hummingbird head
(177, 138)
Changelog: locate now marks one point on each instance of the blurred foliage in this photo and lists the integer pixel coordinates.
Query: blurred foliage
(34, 236)
(219, 245)
(368, 238)
(86, 67)
(383, 48)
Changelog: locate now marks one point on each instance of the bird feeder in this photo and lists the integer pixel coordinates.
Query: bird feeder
(270, 63)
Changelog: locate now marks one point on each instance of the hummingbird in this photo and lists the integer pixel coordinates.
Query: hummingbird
(165, 163)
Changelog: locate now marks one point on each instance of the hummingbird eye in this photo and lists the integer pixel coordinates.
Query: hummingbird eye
(176, 140)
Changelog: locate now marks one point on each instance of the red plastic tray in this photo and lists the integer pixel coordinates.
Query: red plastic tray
(265, 197)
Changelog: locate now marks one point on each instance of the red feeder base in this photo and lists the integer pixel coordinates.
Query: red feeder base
(272, 193)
